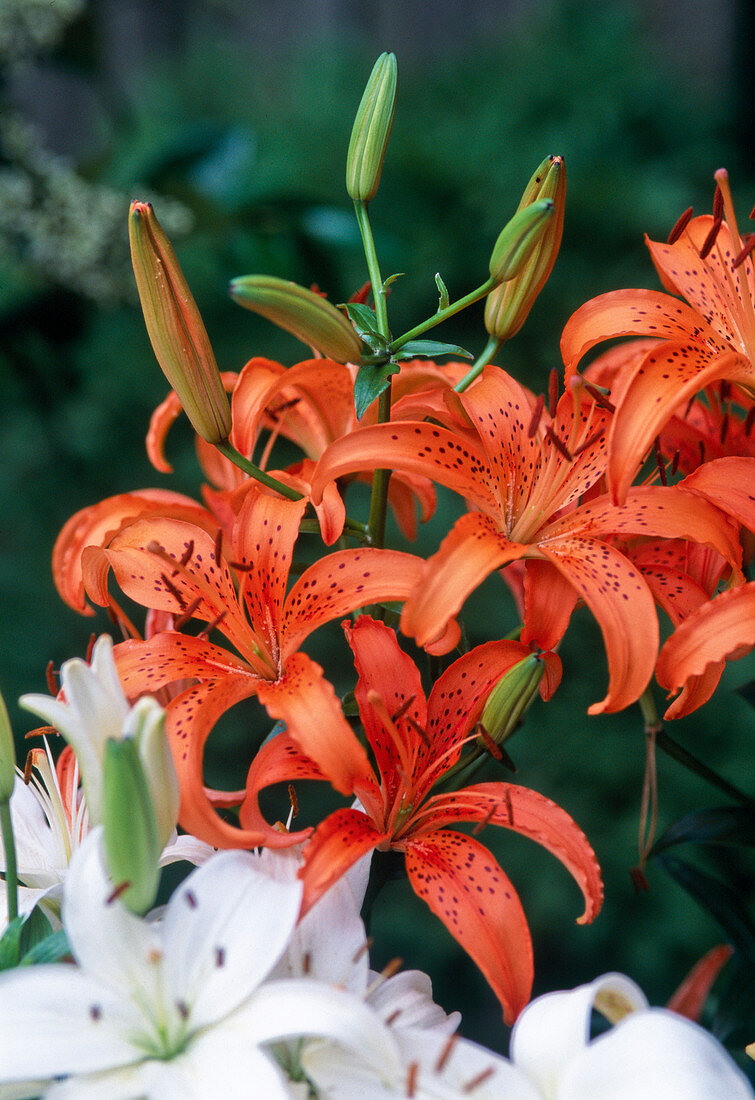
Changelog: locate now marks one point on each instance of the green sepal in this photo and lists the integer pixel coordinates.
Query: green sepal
(370, 383)
(719, 825)
(131, 837)
(429, 349)
(718, 899)
(365, 322)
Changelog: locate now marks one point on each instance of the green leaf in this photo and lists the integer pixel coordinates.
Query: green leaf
(443, 299)
(718, 899)
(364, 320)
(735, 1011)
(392, 279)
(36, 930)
(429, 349)
(719, 825)
(25, 934)
(49, 950)
(370, 383)
(747, 691)
(10, 944)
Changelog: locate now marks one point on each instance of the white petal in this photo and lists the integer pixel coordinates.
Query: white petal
(53, 1021)
(186, 848)
(437, 1071)
(556, 1027)
(406, 1000)
(110, 944)
(224, 929)
(654, 1055)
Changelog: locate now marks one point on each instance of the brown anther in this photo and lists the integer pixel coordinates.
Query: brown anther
(183, 1010)
(185, 557)
(445, 1053)
(724, 430)
(155, 956)
(95, 1012)
(191, 899)
(363, 949)
(28, 765)
(187, 613)
(718, 204)
(659, 460)
(745, 251)
(750, 420)
(710, 240)
(701, 448)
(293, 800)
(392, 967)
(411, 1079)
(589, 441)
(558, 444)
(401, 711)
(724, 390)
(488, 741)
(218, 551)
(639, 881)
(480, 1079)
(553, 392)
(393, 1016)
(52, 686)
(306, 962)
(598, 396)
(509, 806)
(675, 462)
(42, 731)
(242, 566)
(211, 626)
(219, 957)
(537, 413)
(90, 647)
(120, 889)
(175, 592)
(679, 226)
(480, 825)
(418, 729)
(275, 413)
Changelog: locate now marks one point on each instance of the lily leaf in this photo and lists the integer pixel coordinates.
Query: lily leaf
(429, 349)
(718, 825)
(370, 383)
(50, 950)
(723, 904)
(443, 299)
(10, 944)
(26, 934)
(364, 320)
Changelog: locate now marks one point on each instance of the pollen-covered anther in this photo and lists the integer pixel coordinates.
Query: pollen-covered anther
(191, 899)
(445, 1053)
(183, 1009)
(42, 731)
(175, 592)
(680, 225)
(218, 549)
(724, 430)
(306, 962)
(276, 412)
(745, 251)
(293, 800)
(710, 240)
(29, 764)
(242, 566)
(50, 674)
(215, 623)
(187, 613)
(418, 729)
(411, 1078)
(559, 444)
(401, 711)
(391, 968)
(475, 1082)
(185, 557)
(119, 890)
(675, 461)
(219, 957)
(390, 1020)
(718, 203)
(599, 395)
(490, 744)
(155, 956)
(95, 1012)
(659, 460)
(553, 392)
(749, 421)
(589, 442)
(537, 413)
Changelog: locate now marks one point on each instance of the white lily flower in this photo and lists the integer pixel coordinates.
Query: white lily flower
(50, 821)
(176, 1007)
(650, 1054)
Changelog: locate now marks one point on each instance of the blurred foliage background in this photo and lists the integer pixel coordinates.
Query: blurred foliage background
(233, 118)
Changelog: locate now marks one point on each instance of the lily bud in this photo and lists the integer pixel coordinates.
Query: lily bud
(519, 238)
(146, 725)
(132, 845)
(372, 128)
(176, 330)
(511, 697)
(7, 754)
(308, 316)
(507, 306)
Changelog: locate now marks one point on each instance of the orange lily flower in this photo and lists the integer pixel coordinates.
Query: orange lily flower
(415, 741)
(709, 339)
(525, 476)
(178, 568)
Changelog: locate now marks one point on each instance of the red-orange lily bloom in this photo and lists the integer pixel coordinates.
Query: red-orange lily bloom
(176, 567)
(711, 338)
(525, 477)
(414, 743)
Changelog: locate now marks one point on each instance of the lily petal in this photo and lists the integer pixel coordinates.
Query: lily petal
(338, 842)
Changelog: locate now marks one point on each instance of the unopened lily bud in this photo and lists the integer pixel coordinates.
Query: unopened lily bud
(308, 316)
(7, 754)
(176, 330)
(507, 306)
(132, 845)
(372, 128)
(511, 697)
(146, 725)
(519, 238)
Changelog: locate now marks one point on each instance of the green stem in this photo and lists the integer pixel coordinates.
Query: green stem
(487, 355)
(11, 870)
(444, 314)
(678, 752)
(226, 448)
(373, 268)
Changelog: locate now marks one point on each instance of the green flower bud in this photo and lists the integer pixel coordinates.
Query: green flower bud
(7, 754)
(372, 128)
(176, 331)
(146, 724)
(511, 697)
(308, 316)
(132, 845)
(519, 238)
(507, 306)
